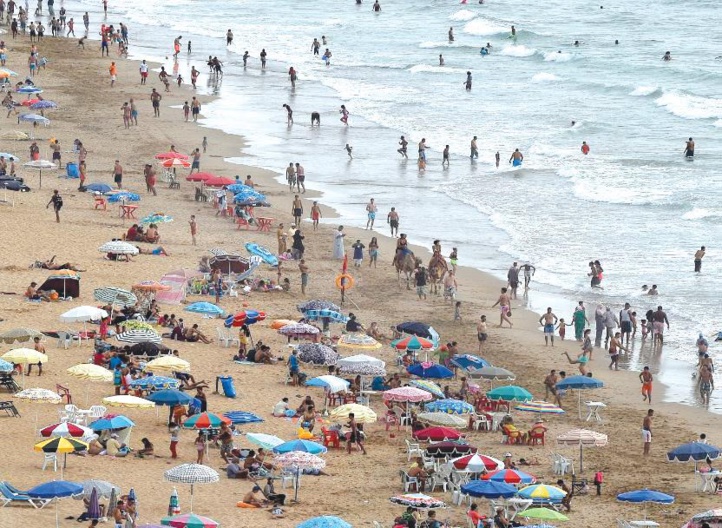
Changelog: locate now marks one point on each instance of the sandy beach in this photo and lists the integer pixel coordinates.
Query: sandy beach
(359, 487)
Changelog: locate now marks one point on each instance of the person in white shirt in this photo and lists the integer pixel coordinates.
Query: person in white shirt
(280, 408)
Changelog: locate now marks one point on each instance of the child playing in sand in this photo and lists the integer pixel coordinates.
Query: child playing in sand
(205, 143)
(457, 311)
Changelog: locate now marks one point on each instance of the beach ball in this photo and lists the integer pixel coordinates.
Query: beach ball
(54, 296)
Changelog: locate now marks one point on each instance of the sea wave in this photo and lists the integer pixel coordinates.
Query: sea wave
(517, 51)
(555, 56)
(642, 91)
(544, 77)
(462, 15)
(428, 68)
(444, 44)
(699, 213)
(690, 106)
(482, 27)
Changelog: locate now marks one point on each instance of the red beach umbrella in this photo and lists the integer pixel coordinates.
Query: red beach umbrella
(201, 176)
(219, 181)
(438, 434)
(170, 155)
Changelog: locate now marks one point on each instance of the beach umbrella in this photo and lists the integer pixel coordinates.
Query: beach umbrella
(449, 449)
(113, 295)
(645, 496)
(205, 308)
(509, 393)
(130, 402)
(83, 314)
(360, 359)
(263, 440)
(220, 252)
(191, 474)
(218, 181)
(94, 505)
(450, 406)
(362, 414)
(40, 165)
(15, 135)
(102, 488)
(579, 383)
(428, 386)
(299, 330)
(542, 493)
(582, 437)
(695, 451)
(189, 520)
(200, 176)
(488, 489)
(358, 341)
(331, 315)
(712, 517)
(155, 383)
(317, 354)
(303, 446)
(430, 371)
(438, 434)
(89, 371)
(54, 490)
(170, 397)
(60, 444)
(443, 419)
(413, 343)
(242, 417)
(168, 364)
(38, 396)
(469, 361)
(298, 461)
(156, 218)
(236, 188)
(6, 366)
(362, 369)
(317, 304)
(245, 317)
(98, 187)
(139, 336)
(20, 335)
(151, 286)
(65, 429)
(118, 247)
(170, 155)
(111, 421)
(492, 373)
(115, 196)
(332, 384)
(419, 329)
(324, 521)
(407, 394)
(43, 105)
(8, 72)
(29, 90)
(543, 514)
(539, 407)
(418, 500)
(476, 463)
(24, 356)
(175, 163)
(205, 420)
(9, 157)
(510, 476)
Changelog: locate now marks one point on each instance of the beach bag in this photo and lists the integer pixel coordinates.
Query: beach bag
(598, 477)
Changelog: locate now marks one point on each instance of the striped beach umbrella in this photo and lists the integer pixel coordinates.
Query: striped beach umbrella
(244, 317)
(317, 354)
(476, 463)
(205, 420)
(65, 429)
(103, 487)
(155, 383)
(189, 520)
(263, 440)
(442, 419)
(542, 493)
(510, 476)
(175, 163)
(112, 295)
(128, 401)
(299, 329)
(191, 474)
(449, 406)
(412, 343)
(428, 386)
(59, 444)
(540, 407)
(20, 335)
(139, 335)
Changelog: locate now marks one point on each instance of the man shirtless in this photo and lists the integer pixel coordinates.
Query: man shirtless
(516, 158)
(689, 148)
(659, 319)
(550, 386)
(706, 383)
(647, 431)
(549, 321)
(615, 345)
(529, 272)
(504, 303)
(697, 256)
(393, 220)
(646, 378)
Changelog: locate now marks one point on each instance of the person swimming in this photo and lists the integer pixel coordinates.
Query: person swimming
(484, 52)
(667, 56)
(441, 59)
(516, 158)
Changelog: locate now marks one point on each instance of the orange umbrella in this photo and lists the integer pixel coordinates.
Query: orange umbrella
(151, 286)
(176, 162)
(170, 155)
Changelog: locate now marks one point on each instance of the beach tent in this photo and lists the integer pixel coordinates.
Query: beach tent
(65, 282)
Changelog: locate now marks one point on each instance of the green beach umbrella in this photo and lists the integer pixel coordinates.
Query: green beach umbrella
(509, 393)
(544, 514)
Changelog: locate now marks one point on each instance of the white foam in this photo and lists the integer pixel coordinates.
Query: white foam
(517, 51)
(642, 91)
(544, 77)
(555, 56)
(462, 15)
(482, 27)
(427, 68)
(690, 106)
(698, 213)
(438, 44)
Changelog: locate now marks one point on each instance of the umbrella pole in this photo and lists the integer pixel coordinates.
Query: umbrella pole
(191, 498)
(581, 458)
(298, 483)
(57, 518)
(580, 403)
(41, 178)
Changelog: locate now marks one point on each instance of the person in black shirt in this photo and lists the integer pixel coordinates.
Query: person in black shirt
(353, 325)
(57, 202)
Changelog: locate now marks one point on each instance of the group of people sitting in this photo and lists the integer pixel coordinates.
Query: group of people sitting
(137, 233)
(180, 332)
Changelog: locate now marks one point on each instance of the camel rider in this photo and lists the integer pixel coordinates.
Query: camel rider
(401, 248)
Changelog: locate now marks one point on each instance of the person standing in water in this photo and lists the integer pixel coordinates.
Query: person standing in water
(689, 149)
(474, 150)
(497, 159)
(292, 76)
(585, 148)
(516, 158)
(315, 46)
(229, 37)
(513, 32)
(698, 259)
(467, 82)
(404, 144)
(376, 6)
(445, 157)
(451, 34)
(529, 272)
(263, 58)
(344, 115)
(441, 59)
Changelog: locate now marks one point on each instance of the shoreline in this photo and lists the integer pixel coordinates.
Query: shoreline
(519, 349)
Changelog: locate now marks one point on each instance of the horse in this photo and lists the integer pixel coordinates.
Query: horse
(437, 270)
(406, 264)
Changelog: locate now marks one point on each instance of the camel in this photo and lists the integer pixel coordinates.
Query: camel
(406, 264)
(437, 270)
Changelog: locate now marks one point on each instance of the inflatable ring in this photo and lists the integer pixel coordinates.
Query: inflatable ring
(344, 281)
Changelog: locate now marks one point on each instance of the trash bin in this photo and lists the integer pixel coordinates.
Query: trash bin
(229, 390)
(71, 169)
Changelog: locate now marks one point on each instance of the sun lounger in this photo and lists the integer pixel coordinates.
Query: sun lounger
(11, 495)
(9, 407)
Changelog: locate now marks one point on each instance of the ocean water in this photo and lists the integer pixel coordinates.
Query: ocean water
(634, 203)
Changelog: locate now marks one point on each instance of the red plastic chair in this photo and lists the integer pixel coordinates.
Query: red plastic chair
(537, 437)
(330, 438)
(64, 392)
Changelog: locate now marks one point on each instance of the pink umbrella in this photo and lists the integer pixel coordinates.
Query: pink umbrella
(189, 520)
(438, 434)
(477, 463)
(407, 394)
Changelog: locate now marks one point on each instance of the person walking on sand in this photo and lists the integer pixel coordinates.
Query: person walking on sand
(194, 228)
(113, 70)
(646, 379)
(155, 98)
(338, 249)
(143, 69)
(150, 179)
(481, 332)
(316, 215)
(118, 174)
(393, 220)
(196, 161)
(697, 256)
(513, 278)
(297, 210)
(356, 435)
(57, 202)
(504, 303)
(647, 431)
(371, 210)
(303, 268)
(548, 320)
(195, 108)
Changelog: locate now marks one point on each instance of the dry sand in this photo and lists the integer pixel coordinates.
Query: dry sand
(359, 487)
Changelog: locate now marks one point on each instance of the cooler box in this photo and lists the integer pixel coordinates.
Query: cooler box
(71, 169)
(227, 384)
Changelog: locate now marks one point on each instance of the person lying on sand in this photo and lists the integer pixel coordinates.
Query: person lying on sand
(160, 250)
(51, 265)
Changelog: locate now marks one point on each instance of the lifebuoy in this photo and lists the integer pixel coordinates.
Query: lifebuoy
(344, 281)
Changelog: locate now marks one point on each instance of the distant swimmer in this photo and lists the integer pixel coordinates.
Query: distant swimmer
(573, 123)
(585, 148)
(467, 82)
(451, 34)
(327, 57)
(513, 31)
(315, 118)
(377, 6)
(323, 39)
(484, 52)
(315, 46)
(667, 56)
(245, 58)
(497, 158)
(576, 43)
(441, 59)
(404, 144)
(474, 150)
(698, 259)
(488, 46)
(229, 37)
(689, 148)
(516, 158)
(616, 42)
(349, 151)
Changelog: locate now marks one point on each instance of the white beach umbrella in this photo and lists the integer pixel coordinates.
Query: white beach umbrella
(192, 474)
(83, 314)
(40, 165)
(118, 247)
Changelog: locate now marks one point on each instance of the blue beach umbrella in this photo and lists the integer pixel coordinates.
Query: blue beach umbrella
(300, 445)
(242, 417)
(469, 361)
(332, 315)
(34, 118)
(44, 105)
(156, 219)
(317, 304)
(645, 496)
(113, 422)
(580, 383)
(169, 397)
(249, 196)
(325, 521)
(239, 187)
(488, 489)
(29, 90)
(53, 490)
(509, 393)
(123, 196)
(5, 366)
(98, 187)
(449, 406)
(693, 451)
(434, 371)
(155, 383)
(205, 308)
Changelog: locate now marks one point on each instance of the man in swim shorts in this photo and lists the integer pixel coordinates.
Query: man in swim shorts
(155, 98)
(393, 220)
(659, 319)
(474, 150)
(689, 148)
(371, 209)
(697, 255)
(548, 320)
(402, 150)
(529, 271)
(625, 321)
(646, 378)
(504, 302)
(647, 431)
(516, 158)
(706, 384)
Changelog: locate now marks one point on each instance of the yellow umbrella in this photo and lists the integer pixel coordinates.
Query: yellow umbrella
(133, 324)
(59, 444)
(362, 414)
(128, 401)
(168, 364)
(360, 341)
(24, 356)
(88, 371)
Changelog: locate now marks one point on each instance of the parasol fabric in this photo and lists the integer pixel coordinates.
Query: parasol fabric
(39, 396)
(300, 446)
(317, 354)
(83, 314)
(299, 329)
(449, 449)
(113, 295)
(324, 521)
(488, 489)
(204, 308)
(317, 304)
(128, 401)
(20, 335)
(509, 393)
(205, 420)
(695, 451)
(407, 394)
(191, 474)
(60, 444)
(23, 356)
(492, 373)
(242, 417)
(358, 341)
(168, 364)
(450, 406)
(412, 343)
(430, 371)
(544, 514)
(189, 520)
(542, 493)
(170, 397)
(429, 386)
(510, 476)
(332, 384)
(469, 361)
(118, 247)
(263, 440)
(418, 500)
(539, 407)
(419, 329)
(155, 383)
(476, 463)
(65, 429)
(438, 434)
(441, 418)
(91, 372)
(139, 335)
(103, 488)
(245, 317)
(362, 414)
(111, 421)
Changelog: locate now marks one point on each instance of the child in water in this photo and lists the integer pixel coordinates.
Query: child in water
(349, 150)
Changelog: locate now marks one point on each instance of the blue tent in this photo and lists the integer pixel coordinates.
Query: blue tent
(300, 445)
(693, 451)
(435, 371)
(488, 489)
(169, 397)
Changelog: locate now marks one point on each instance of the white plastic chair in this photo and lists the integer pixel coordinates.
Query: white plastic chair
(234, 340)
(223, 339)
(408, 481)
(50, 458)
(481, 422)
(97, 411)
(413, 450)
(65, 339)
(404, 419)
(287, 476)
(71, 412)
